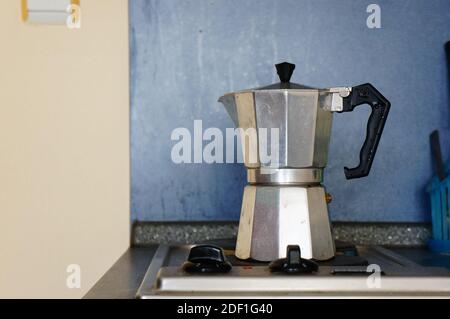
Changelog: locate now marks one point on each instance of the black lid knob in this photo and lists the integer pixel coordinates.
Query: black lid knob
(293, 263)
(207, 259)
(285, 70)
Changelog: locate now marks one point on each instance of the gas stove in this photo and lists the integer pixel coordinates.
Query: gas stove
(210, 271)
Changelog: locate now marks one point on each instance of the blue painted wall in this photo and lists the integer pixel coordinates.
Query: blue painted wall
(187, 53)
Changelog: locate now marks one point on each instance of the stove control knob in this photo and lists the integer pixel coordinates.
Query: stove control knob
(206, 259)
(293, 263)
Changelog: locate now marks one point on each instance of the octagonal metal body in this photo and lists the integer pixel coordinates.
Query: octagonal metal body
(303, 119)
(273, 217)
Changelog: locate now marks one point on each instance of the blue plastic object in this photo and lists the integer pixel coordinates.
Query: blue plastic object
(440, 212)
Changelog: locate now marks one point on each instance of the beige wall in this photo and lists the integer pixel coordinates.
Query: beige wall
(64, 149)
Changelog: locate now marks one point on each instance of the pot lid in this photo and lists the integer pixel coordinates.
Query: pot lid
(285, 70)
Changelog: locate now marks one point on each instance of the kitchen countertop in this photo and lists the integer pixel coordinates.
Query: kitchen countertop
(358, 233)
(124, 278)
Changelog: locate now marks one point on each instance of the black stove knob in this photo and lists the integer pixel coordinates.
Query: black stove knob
(293, 263)
(206, 259)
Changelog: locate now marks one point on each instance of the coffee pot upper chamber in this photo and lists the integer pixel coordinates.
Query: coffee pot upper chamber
(303, 117)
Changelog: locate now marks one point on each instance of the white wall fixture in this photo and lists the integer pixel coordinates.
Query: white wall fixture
(57, 12)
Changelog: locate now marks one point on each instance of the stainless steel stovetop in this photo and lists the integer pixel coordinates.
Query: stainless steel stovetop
(374, 272)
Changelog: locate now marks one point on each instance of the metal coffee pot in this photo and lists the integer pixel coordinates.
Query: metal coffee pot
(285, 202)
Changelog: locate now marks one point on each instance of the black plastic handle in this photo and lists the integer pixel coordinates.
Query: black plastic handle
(367, 94)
